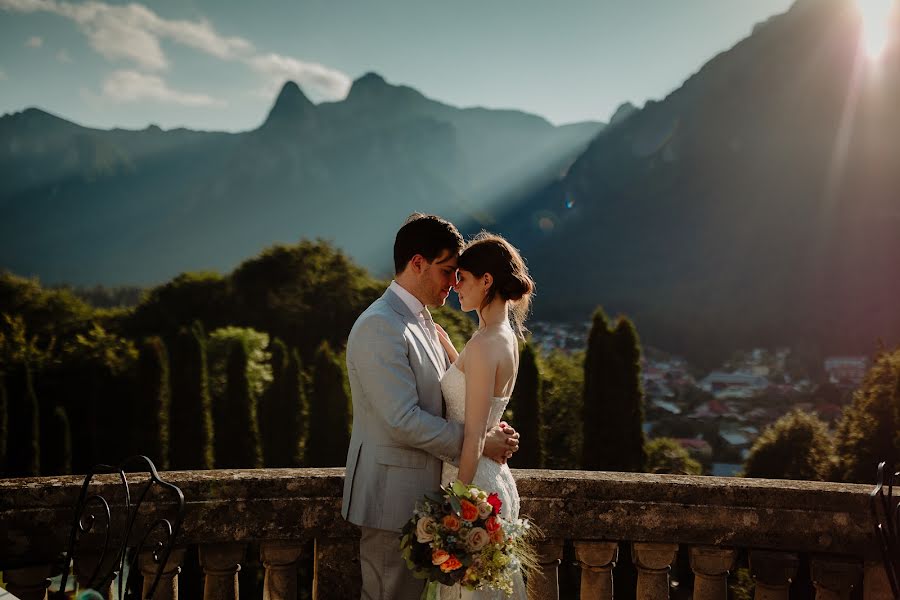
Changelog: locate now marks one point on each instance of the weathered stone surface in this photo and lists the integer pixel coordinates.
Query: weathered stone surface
(301, 504)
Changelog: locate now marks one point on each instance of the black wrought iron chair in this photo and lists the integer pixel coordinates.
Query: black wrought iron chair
(886, 513)
(116, 533)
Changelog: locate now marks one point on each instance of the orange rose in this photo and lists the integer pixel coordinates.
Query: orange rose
(451, 564)
(497, 536)
(492, 523)
(451, 522)
(439, 557)
(469, 510)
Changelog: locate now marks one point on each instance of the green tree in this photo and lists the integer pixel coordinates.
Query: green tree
(56, 453)
(191, 297)
(796, 446)
(562, 384)
(283, 410)
(191, 442)
(152, 403)
(630, 395)
(526, 411)
(868, 431)
(665, 455)
(24, 424)
(237, 428)
(329, 428)
(313, 292)
(613, 412)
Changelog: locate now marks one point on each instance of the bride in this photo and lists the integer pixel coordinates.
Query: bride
(492, 280)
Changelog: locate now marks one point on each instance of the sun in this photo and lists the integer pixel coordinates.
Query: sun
(875, 14)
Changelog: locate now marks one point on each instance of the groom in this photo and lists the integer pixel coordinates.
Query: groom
(400, 439)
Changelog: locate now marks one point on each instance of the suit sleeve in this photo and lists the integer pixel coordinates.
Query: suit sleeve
(378, 355)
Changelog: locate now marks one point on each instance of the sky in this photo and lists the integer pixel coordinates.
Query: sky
(218, 64)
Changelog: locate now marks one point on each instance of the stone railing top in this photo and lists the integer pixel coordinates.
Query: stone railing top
(297, 504)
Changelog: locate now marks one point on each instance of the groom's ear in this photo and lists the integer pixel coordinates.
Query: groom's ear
(417, 262)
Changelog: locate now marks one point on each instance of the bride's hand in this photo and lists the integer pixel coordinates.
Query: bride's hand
(446, 343)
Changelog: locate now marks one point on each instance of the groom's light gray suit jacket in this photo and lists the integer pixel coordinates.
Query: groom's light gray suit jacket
(399, 437)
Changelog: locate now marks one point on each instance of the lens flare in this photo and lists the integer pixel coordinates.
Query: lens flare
(875, 16)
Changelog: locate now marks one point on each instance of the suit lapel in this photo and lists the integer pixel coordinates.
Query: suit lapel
(417, 330)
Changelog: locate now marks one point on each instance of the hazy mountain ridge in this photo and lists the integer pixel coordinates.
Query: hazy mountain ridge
(85, 205)
(727, 215)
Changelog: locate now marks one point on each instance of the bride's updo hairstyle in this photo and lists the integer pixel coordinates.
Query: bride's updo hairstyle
(490, 253)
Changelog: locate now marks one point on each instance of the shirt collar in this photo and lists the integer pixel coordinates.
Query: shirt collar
(409, 300)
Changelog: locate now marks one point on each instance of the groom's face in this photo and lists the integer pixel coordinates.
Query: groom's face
(438, 277)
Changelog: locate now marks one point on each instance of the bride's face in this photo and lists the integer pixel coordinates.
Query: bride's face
(470, 289)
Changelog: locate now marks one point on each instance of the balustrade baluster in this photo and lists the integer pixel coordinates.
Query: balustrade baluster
(168, 582)
(280, 561)
(773, 573)
(711, 565)
(653, 562)
(544, 585)
(30, 583)
(834, 577)
(221, 564)
(596, 560)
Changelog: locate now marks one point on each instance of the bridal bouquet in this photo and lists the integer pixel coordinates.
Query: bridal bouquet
(459, 536)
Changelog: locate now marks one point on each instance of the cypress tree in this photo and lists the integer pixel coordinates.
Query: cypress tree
(24, 425)
(868, 431)
(191, 442)
(613, 410)
(282, 410)
(56, 454)
(237, 430)
(526, 407)
(152, 400)
(329, 427)
(629, 396)
(595, 420)
(296, 385)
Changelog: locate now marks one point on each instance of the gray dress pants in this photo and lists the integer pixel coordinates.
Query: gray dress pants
(384, 572)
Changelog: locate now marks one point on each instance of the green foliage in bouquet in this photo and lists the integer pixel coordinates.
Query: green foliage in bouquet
(458, 536)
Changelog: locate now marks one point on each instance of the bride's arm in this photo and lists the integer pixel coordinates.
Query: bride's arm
(480, 372)
(449, 348)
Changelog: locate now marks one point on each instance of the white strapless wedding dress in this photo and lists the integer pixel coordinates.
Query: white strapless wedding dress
(490, 477)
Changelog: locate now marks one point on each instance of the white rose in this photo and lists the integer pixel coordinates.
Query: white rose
(484, 510)
(477, 539)
(424, 529)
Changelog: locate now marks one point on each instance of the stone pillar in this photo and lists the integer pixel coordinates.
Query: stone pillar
(596, 560)
(876, 585)
(773, 573)
(86, 563)
(834, 578)
(280, 561)
(544, 585)
(711, 565)
(337, 572)
(653, 562)
(168, 581)
(220, 564)
(30, 583)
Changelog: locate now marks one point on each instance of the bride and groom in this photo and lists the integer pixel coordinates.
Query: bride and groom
(423, 414)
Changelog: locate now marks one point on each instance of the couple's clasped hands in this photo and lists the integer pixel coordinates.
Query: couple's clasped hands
(501, 443)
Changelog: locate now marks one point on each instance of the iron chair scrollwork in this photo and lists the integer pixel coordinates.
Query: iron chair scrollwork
(114, 530)
(885, 507)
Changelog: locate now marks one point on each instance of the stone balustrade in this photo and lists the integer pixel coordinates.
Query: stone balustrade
(286, 512)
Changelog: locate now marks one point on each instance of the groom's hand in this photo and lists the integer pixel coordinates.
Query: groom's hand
(501, 443)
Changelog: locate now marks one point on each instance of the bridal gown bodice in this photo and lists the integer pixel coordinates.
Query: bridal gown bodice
(490, 476)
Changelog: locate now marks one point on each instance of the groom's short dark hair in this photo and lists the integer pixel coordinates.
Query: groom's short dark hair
(428, 235)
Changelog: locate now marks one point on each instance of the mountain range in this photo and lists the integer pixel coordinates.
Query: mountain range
(755, 205)
(87, 206)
